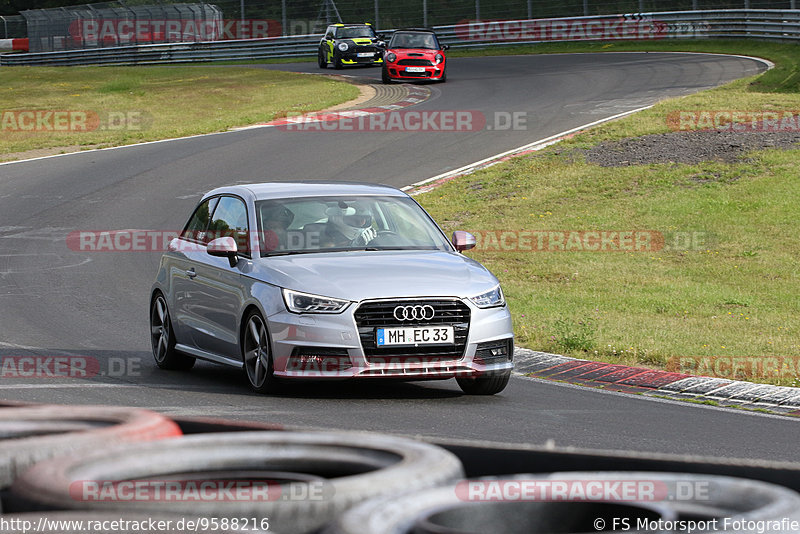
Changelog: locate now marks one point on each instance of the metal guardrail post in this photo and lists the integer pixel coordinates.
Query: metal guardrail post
(283, 17)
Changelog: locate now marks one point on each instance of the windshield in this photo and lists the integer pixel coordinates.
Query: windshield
(352, 33)
(414, 40)
(339, 223)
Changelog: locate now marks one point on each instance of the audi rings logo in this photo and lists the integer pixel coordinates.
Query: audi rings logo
(414, 313)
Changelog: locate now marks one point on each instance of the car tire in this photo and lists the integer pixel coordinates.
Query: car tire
(484, 385)
(385, 75)
(337, 62)
(39, 432)
(257, 354)
(341, 469)
(444, 76)
(322, 60)
(162, 338)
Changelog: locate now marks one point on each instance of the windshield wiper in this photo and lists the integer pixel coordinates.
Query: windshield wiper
(289, 253)
(372, 249)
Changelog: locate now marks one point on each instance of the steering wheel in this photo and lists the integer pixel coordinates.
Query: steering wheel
(388, 238)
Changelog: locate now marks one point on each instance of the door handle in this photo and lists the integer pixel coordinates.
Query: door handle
(190, 273)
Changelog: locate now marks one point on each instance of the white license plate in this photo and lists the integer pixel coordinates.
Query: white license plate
(365, 54)
(427, 335)
(415, 69)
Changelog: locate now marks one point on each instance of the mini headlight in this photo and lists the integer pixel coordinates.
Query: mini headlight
(490, 299)
(343, 47)
(297, 302)
(390, 57)
(439, 58)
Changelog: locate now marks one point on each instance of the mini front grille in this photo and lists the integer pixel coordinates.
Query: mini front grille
(415, 62)
(415, 74)
(372, 315)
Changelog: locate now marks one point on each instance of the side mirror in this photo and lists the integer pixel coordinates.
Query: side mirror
(381, 44)
(463, 240)
(224, 247)
(445, 47)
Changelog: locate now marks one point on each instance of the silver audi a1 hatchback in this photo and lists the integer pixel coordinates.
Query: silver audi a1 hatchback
(321, 281)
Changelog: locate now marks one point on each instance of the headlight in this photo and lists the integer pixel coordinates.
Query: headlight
(297, 302)
(439, 58)
(343, 47)
(490, 299)
(390, 57)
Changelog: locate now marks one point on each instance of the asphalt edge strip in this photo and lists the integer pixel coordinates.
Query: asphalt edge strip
(412, 96)
(653, 382)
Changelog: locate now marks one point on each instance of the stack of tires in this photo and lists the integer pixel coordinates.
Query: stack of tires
(124, 469)
(279, 481)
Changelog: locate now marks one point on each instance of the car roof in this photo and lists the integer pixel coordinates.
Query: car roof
(270, 190)
(415, 30)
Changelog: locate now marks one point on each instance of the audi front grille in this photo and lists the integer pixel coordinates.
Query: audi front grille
(378, 314)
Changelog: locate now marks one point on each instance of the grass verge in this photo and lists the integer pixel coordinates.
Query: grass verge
(728, 307)
(133, 104)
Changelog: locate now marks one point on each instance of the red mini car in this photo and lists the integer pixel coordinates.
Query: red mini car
(414, 55)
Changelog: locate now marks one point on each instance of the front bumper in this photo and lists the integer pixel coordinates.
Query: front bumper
(353, 59)
(321, 346)
(398, 72)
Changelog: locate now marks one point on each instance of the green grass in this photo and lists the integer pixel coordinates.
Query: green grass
(156, 102)
(734, 296)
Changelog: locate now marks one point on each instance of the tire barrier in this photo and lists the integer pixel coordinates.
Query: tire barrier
(299, 480)
(580, 502)
(32, 434)
(118, 523)
(20, 45)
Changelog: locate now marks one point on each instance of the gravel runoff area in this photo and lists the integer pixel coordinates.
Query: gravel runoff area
(688, 147)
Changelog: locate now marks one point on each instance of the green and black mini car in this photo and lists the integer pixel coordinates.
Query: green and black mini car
(349, 44)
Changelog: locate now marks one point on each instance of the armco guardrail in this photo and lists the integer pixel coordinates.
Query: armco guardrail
(734, 23)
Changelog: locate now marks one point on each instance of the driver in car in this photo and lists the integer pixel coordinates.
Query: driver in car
(348, 226)
(276, 219)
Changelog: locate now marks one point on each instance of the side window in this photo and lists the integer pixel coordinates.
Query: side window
(195, 229)
(230, 220)
(329, 33)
